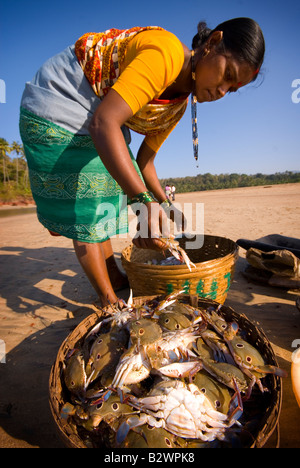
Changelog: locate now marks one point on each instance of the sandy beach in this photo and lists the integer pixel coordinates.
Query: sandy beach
(45, 295)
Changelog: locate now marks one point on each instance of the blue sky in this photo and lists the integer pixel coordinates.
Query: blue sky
(254, 130)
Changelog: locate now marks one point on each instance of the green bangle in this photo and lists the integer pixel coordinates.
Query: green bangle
(144, 197)
(166, 205)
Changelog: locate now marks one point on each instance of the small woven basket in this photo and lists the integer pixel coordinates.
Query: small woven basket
(261, 413)
(215, 263)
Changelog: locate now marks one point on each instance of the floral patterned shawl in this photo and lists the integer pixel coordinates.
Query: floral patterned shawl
(100, 56)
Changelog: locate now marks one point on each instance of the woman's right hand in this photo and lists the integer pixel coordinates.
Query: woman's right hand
(152, 224)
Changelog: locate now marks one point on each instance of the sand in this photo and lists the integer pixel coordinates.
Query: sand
(45, 294)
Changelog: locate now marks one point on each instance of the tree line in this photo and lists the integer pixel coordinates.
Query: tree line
(209, 181)
(14, 180)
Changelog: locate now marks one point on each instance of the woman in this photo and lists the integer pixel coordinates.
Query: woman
(81, 102)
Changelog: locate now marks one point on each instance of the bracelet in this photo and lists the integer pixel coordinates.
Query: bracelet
(166, 205)
(143, 197)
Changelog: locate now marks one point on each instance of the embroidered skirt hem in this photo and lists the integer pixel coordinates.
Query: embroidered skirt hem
(75, 195)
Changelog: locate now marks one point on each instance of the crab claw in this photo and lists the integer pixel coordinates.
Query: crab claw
(186, 259)
(236, 404)
(167, 301)
(103, 397)
(181, 369)
(271, 370)
(131, 422)
(67, 410)
(231, 331)
(121, 394)
(130, 299)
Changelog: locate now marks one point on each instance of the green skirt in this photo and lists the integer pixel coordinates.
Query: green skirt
(75, 195)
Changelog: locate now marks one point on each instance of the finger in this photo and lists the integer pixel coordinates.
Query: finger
(151, 244)
(164, 225)
(154, 214)
(180, 222)
(140, 242)
(159, 245)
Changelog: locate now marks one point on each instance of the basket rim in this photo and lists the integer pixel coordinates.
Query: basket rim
(233, 254)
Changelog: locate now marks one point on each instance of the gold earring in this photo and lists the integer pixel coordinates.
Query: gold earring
(193, 65)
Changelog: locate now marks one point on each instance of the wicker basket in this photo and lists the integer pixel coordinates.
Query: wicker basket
(261, 411)
(212, 277)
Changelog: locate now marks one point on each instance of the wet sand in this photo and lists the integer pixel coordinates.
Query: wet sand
(45, 294)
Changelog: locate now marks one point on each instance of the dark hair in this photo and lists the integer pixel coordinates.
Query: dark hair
(242, 37)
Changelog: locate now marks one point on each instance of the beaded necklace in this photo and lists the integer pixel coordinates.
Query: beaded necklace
(194, 110)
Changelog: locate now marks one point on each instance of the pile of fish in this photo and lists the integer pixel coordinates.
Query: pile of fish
(162, 374)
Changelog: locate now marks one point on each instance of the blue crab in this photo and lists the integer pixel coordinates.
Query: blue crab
(177, 251)
(181, 409)
(228, 374)
(106, 352)
(74, 373)
(147, 436)
(152, 352)
(248, 358)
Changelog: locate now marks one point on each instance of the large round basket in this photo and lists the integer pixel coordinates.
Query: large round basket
(261, 411)
(215, 263)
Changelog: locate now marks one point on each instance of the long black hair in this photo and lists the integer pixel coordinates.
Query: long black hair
(242, 37)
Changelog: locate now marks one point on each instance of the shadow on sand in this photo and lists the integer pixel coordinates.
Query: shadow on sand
(42, 288)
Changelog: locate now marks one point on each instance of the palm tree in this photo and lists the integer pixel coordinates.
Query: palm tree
(4, 150)
(18, 149)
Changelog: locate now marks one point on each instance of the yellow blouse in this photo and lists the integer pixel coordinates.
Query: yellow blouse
(152, 62)
(145, 63)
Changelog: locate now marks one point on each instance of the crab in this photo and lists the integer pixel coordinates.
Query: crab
(177, 251)
(152, 350)
(219, 395)
(106, 352)
(147, 436)
(74, 373)
(248, 358)
(228, 374)
(244, 355)
(181, 409)
(112, 411)
(172, 320)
